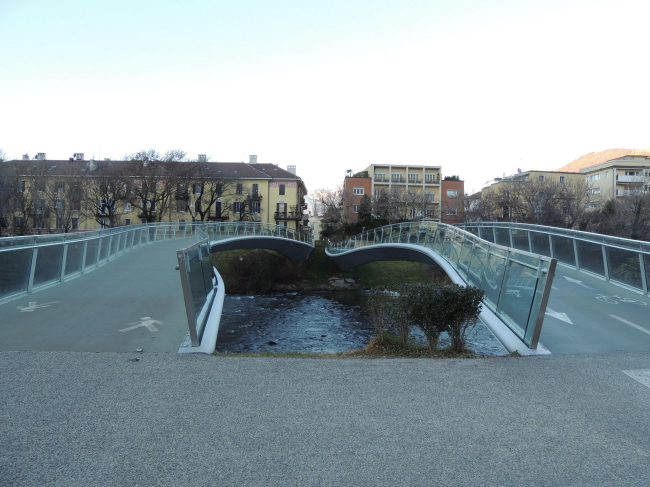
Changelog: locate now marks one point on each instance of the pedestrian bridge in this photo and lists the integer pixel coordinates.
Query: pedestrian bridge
(37, 263)
(517, 283)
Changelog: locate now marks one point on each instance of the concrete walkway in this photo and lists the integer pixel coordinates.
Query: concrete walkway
(87, 419)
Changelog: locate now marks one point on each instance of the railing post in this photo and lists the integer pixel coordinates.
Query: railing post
(605, 261)
(63, 260)
(83, 256)
(644, 280)
(530, 241)
(32, 271)
(550, 246)
(575, 253)
(504, 281)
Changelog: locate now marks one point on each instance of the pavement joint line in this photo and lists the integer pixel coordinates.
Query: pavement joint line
(640, 328)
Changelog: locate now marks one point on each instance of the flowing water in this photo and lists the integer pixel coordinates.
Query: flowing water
(328, 321)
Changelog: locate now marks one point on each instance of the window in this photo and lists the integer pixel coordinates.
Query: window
(256, 189)
(429, 178)
(357, 191)
(198, 188)
(58, 204)
(606, 174)
(60, 186)
(396, 177)
(21, 186)
(413, 177)
(181, 206)
(38, 204)
(76, 206)
(631, 173)
(563, 179)
(59, 223)
(240, 188)
(74, 223)
(197, 206)
(181, 225)
(380, 176)
(541, 178)
(594, 177)
(18, 221)
(379, 193)
(452, 193)
(219, 188)
(452, 211)
(356, 208)
(127, 207)
(102, 222)
(237, 207)
(538, 210)
(282, 190)
(127, 221)
(255, 207)
(430, 194)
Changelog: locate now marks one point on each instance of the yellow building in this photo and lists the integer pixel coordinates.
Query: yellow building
(57, 195)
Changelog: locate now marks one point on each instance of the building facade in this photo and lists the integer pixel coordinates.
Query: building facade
(69, 195)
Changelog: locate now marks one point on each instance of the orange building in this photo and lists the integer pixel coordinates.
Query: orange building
(451, 210)
(355, 187)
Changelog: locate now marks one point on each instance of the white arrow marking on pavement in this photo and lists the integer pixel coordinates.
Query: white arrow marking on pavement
(640, 328)
(147, 322)
(554, 288)
(32, 306)
(558, 316)
(579, 283)
(642, 375)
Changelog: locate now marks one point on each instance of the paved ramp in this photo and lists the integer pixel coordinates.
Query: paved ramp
(139, 293)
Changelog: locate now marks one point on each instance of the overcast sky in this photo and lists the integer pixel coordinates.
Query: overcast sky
(480, 88)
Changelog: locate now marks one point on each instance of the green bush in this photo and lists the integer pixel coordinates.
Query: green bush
(433, 308)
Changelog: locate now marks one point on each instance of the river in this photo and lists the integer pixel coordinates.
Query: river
(326, 321)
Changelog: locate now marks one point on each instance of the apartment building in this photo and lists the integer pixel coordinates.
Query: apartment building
(453, 192)
(614, 173)
(69, 195)
(417, 186)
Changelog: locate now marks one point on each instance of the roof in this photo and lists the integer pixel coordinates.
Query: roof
(594, 158)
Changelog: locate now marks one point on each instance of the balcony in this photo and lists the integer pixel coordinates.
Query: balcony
(428, 180)
(219, 218)
(380, 179)
(256, 196)
(415, 181)
(629, 192)
(630, 179)
(292, 213)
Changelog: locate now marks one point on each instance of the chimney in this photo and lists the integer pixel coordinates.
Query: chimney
(40, 156)
(78, 156)
(291, 169)
(25, 157)
(252, 159)
(203, 158)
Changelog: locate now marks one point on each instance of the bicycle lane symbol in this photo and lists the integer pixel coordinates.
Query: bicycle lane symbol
(617, 299)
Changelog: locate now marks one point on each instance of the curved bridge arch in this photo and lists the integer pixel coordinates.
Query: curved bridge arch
(516, 283)
(294, 250)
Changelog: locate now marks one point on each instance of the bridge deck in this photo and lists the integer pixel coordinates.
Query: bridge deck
(87, 313)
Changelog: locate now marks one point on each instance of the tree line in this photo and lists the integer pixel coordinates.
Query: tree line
(34, 196)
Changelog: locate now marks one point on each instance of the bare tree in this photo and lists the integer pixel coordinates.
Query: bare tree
(153, 181)
(213, 193)
(65, 194)
(626, 216)
(106, 194)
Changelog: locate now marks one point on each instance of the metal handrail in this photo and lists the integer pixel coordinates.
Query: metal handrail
(621, 261)
(498, 270)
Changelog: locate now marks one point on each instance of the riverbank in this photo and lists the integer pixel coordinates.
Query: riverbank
(263, 271)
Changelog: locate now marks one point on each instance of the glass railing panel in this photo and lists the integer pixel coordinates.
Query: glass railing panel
(16, 267)
(74, 257)
(465, 257)
(563, 250)
(113, 245)
(624, 267)
(493, 277)
(518, 297)
(590, 257)
(520, 239)
(91, 252)
(48, 264)
(477, 264)
(540, 243)
(105, 247)
(151, 233)
(487, 234)
(646, 263)
(537, 301)
(123, 236)
(503, 236)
